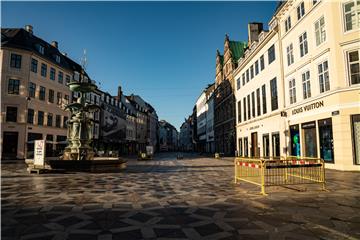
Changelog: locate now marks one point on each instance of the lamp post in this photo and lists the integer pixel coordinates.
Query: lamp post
(27, 100)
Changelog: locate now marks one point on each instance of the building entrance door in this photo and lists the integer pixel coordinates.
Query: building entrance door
(310, 146)
(326, 140)
(254, 145)
(10, 145)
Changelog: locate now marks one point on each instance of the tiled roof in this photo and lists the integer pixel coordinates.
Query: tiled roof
(21, 39)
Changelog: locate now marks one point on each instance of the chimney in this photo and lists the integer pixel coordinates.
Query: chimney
(65, 54)
(54, 44)
(119, 93)
(254, 29)
(29, 28)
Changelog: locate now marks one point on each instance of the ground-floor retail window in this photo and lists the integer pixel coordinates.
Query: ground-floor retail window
(266, 146)
(275, 137)
(246, 147)
(240, 148)
(309, 133)
(355, 120)
(295, 140)
(326, 140)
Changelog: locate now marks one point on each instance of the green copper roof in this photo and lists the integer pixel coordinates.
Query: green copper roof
(237, 48)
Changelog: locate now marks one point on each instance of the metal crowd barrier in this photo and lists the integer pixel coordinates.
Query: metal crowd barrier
(280, 172)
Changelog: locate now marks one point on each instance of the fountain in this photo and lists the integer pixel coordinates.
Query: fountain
(79, 155)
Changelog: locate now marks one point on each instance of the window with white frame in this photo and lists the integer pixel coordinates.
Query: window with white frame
(243, 79)
(306, 84)
(238, 83)
(300, 10)
(257, 67)
(292, 91)
(288, 23)
(351, 10)
(303, 44)
(290, 54)
(354, 66)
(323, 70)
(320, 34)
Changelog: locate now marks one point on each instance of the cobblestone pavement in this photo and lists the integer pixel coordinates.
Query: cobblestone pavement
(192, 198)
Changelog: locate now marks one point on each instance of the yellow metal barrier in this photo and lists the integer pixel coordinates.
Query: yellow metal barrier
(280, 171)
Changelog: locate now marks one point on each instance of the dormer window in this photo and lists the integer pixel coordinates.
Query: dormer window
(41, 49)
(57, 58)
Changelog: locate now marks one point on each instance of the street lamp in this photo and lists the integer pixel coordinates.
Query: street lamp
(27, 100)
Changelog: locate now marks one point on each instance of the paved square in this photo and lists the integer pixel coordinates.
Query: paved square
(192, 198)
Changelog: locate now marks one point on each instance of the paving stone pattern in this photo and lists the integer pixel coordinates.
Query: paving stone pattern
(192, 198)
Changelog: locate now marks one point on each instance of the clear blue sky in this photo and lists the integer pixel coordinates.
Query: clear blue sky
(163, 51)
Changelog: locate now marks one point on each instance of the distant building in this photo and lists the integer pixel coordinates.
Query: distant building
(168, 136)
(185, 135)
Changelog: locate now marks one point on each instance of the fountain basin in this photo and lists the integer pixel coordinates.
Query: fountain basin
(83, 87)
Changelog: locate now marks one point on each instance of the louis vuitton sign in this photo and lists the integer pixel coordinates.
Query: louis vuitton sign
(309, 107)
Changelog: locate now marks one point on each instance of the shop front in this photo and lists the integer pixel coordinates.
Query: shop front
(325, 129)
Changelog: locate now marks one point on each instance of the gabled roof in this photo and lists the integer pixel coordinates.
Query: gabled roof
(21, 39)
(237, 49)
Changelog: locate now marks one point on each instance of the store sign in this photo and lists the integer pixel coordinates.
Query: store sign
(39, 152)
(308, 107)
(254, 127)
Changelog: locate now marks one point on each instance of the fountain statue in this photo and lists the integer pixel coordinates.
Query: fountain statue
(80, 125)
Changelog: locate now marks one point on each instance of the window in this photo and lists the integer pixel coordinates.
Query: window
(257, 67)
(271, 54)
(52, 73)
(263, 91)
(290, 55)
(13, 86)
(30, 116)
(320, 34)
(292, 91)
(300, 11)
(60, 77)
(258, 101)
(43, 69)
(247, 75)
(306, 84)
(248, 106)
(66, 97)
(354, 67)
(303, 44)
(42, 93)
(251, 72)
(238, 83)
(57, 58)
(40, 118)
(253, 104)
(58, 121)
(244, 102)
(351, 15)
(15, 61)
(239, 111)
(67, 78)
(355, 125)
(288, 23)
(315, 2)
(59, 98)
(324, 82)
(11, 114)
(51, 96)
(32, 90)
(41, 49)
(274, 95)
(262, 63)
(49, 119)
(34, 65)
(240, 148)
(65, 122)
(243, 79)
